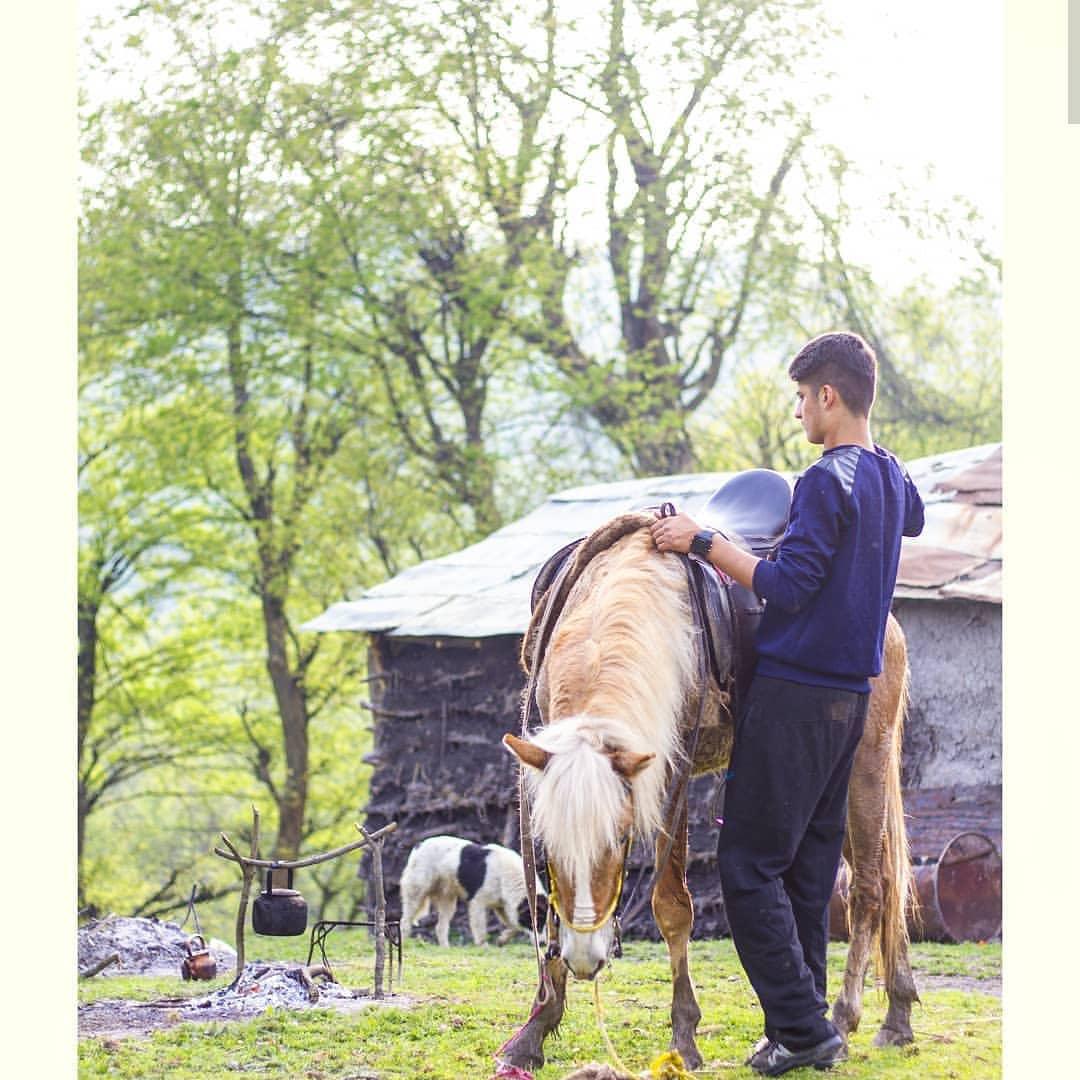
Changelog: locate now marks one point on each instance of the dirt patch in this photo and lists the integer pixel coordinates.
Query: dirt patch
(968, 983)
(260, 987)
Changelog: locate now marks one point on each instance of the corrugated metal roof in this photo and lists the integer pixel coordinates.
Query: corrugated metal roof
(958, 555)
(483, 590)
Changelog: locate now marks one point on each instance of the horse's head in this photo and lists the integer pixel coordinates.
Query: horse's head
(581, 783)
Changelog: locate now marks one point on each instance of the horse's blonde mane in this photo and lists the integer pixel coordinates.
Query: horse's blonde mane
(618, 669)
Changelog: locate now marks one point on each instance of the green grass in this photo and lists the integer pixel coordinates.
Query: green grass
(469, 1000)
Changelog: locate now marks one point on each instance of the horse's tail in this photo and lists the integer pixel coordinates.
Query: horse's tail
(898, 895)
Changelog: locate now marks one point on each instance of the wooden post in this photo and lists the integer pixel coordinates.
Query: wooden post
(247, 869)
(380, 912)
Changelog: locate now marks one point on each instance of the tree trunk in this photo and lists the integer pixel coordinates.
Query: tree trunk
(665, 452)
(87, 674)
(292, 708)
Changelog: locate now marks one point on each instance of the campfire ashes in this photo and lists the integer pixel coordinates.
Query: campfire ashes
(144, 947)
(149, 947)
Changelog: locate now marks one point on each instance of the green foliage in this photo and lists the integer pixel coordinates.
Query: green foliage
(464, 1002)
(361, 282)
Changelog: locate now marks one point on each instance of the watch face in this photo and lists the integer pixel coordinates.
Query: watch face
(701, 543)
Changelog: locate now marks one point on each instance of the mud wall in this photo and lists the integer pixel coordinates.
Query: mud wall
(442, 706)
(953, 732)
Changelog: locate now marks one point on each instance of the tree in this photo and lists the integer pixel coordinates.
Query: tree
(202, 247)
(124, 563)
(670, 119)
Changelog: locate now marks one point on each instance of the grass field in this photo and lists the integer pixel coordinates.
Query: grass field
(466, 1001)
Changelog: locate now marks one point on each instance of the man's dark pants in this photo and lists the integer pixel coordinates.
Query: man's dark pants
(785, 806)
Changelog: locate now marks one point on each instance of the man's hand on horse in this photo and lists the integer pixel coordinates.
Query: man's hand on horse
(674, 533)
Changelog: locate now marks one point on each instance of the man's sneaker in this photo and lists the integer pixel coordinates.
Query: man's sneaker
(774, 1058)
(762, 1044)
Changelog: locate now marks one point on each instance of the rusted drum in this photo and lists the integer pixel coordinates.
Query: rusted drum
(960, 893)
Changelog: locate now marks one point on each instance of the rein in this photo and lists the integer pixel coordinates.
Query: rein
(528, 853)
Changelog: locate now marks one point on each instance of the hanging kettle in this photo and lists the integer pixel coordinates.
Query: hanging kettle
(279, 912)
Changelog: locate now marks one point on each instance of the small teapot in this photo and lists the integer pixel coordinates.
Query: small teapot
(198, 964)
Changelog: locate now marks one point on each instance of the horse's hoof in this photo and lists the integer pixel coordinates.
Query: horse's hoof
(844, 1020)
(528, 1062)
(891, 1037)
(691, 1056)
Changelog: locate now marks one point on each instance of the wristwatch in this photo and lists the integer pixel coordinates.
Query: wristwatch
(701, 543)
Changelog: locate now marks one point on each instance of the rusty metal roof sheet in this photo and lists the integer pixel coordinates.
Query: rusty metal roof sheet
(958, 555)
(483, 590)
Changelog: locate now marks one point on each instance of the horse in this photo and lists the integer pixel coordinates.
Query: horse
(442, 870)
(626, 715)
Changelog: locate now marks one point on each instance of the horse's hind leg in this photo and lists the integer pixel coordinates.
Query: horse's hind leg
(525, 1049)
(876, 849)
(864, 907)
(673, 911)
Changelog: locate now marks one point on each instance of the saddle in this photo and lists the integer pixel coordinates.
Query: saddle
(751, 510)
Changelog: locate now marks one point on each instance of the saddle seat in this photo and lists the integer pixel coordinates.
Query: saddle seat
(754, 506)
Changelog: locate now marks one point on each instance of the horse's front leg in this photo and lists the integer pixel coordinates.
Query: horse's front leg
(525, 1049)
(673, 911)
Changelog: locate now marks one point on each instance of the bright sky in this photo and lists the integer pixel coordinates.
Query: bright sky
(920, 84)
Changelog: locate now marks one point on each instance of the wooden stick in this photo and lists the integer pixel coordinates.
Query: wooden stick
(307, 977)
(91, 971)
(296, 864)
(248, 872)
(380, 910)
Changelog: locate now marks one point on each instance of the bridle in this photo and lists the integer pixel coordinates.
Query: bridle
(556, 598)
(609, 911)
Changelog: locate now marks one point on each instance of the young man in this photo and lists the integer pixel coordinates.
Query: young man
(827, 597)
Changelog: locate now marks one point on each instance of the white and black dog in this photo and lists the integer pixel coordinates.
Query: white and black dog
(445, 869)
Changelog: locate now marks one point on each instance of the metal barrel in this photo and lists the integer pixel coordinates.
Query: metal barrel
(959, 894)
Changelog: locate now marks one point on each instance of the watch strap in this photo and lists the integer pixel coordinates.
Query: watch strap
(702, 542)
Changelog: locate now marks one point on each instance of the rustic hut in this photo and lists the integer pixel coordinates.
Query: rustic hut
(948, 599)
(443, 639)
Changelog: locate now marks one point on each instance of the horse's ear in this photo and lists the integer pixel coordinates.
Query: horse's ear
(526, 752)
(628, 764)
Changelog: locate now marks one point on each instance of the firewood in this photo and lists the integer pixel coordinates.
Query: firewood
(99, 967)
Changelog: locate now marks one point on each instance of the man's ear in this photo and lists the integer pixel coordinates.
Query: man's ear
(526, 752)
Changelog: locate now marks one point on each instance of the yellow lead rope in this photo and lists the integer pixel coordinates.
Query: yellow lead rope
(666, 1066)
(603, 1027)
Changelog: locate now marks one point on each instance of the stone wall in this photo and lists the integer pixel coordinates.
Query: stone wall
(953, 733)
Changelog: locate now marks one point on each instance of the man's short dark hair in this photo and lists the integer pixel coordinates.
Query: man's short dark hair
(845, 362)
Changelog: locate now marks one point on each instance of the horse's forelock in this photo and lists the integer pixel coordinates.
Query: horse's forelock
(578, 799)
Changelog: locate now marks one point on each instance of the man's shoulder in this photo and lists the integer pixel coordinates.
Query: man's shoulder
(840, 463)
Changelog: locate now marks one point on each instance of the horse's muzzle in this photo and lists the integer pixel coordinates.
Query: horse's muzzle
(586, 953)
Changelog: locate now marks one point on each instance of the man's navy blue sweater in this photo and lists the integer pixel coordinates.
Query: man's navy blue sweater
(827, 594)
